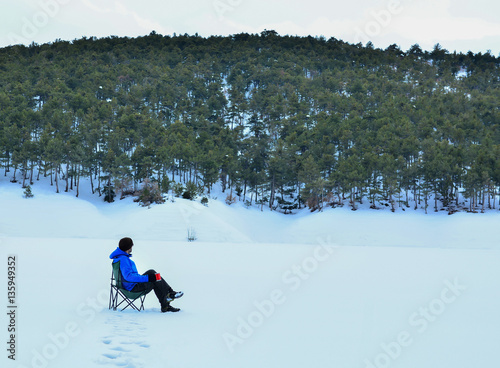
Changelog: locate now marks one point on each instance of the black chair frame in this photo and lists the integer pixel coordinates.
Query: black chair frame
(118, 295)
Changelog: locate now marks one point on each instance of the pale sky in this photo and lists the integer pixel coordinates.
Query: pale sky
(457, 25)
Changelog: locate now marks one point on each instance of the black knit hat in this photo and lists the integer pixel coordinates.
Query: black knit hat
(125, 244)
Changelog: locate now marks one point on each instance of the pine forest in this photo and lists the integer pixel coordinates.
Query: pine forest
(282, 122)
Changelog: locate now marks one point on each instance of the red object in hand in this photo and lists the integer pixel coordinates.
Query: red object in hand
(158, 277)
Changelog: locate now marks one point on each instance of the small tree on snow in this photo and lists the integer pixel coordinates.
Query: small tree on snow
(109, 193)
(27, 192)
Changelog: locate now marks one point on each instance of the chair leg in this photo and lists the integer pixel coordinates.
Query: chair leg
(114, 303)
(142, 299)
(113, 297)
(130, 303)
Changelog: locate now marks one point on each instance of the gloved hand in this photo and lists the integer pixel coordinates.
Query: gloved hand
(152, 277)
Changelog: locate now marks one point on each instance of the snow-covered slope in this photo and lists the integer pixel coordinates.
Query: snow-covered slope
(332, 289)
(62, 215)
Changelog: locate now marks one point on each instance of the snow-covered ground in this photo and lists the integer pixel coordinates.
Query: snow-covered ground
(262, 289)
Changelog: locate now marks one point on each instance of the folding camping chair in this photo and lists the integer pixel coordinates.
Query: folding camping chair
(118, 292)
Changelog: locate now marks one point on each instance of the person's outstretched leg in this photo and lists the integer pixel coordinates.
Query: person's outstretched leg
(163, 291)
(161, 288)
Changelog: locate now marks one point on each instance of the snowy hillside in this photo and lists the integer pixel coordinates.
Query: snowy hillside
(332, 289)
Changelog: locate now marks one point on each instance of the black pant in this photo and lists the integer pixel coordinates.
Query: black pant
(161, 288)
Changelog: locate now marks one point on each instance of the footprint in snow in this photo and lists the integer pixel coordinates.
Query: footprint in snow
(111, 356)
(124, 342)
(119, 348)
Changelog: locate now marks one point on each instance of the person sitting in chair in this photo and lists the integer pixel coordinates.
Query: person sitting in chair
(149, 280)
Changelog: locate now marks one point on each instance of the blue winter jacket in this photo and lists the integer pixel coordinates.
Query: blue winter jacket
(128, 269)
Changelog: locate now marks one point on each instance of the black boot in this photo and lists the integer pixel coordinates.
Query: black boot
(169, 308)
